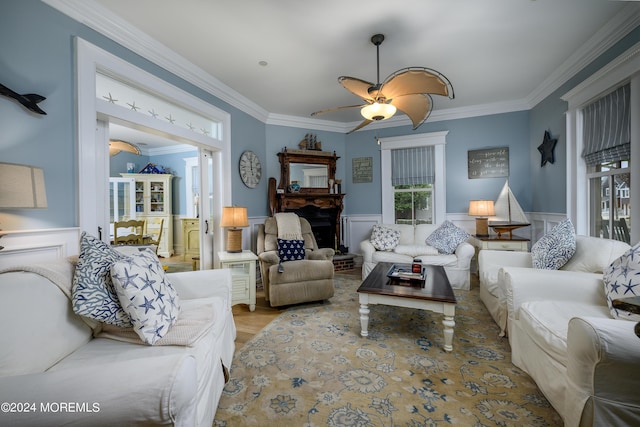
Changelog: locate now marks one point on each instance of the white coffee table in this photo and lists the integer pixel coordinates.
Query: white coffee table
(436, 295)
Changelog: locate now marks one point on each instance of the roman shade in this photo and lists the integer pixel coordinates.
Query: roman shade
(412, 166)
(606, 128)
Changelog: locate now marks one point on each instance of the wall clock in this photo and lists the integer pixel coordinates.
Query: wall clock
(250, 169)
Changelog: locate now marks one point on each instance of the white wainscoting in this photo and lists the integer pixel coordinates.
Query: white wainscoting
(542, 223)
(356, 228)
(29, 246)
(33, 246)
(250, 236)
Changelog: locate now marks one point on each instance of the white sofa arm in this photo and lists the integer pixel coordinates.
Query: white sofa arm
(490, 262)
(465, 252)
(145, 391)
(367, 251)
(603, 356)
(202, 283)
(519, 285)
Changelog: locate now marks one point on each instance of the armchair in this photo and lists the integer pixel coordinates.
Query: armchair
(292, 282)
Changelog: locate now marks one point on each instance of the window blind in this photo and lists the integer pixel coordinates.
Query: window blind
(606, 128)
(412, 166)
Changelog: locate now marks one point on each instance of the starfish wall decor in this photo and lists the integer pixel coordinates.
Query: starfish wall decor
(546, 149)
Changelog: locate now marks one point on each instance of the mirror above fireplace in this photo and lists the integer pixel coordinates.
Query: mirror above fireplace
(311, 170)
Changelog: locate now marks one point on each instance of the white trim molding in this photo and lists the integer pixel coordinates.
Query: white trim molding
(105, 22)
(623, 69)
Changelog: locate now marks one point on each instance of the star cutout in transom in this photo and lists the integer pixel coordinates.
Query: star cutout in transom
(546, 149)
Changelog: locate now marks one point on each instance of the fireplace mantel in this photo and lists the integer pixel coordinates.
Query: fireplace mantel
(316, 204)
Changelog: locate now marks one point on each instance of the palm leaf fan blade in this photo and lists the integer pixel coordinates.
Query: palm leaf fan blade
(117, 145)
(417, 106)
(357, 87)
(416, 80)
(331, 110)
(361, 125)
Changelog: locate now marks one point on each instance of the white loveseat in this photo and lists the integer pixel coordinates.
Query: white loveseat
(562, 334)
(412, 245)
(55, 372)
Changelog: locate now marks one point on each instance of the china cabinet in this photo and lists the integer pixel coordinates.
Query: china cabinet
(153, 200)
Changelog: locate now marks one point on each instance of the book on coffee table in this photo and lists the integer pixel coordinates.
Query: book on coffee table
(404, 272)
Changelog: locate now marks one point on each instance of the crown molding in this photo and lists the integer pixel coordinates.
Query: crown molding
(98, 18)
(617, 28)
(401, 119)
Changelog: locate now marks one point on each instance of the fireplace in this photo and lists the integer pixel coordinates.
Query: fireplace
(323, 223)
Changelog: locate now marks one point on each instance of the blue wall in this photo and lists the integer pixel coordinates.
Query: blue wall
(499, 130)
(42, 62)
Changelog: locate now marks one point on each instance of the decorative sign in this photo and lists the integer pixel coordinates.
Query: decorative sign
(362, 168)
(488, 163)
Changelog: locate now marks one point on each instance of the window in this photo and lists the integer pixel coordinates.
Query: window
(413, 179)
(601, 160)
(607, 152)
(609, 185)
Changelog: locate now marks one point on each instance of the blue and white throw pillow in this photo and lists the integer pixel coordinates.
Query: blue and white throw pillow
(290, 250)
(555, 248)
(146, 295)
(384, 238)
(93, 294)
(447, 238)
(622, 280)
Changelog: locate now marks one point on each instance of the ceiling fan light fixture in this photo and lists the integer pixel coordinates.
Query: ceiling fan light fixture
(378, 111)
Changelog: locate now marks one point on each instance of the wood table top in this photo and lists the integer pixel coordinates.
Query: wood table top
(436, 284)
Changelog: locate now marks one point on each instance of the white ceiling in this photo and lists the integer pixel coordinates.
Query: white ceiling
(506, 54)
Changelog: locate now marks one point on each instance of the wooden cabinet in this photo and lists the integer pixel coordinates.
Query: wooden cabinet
(243, 276)
(191, 237)
(153, 200)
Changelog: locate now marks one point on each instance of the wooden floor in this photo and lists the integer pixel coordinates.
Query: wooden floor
(250, 323)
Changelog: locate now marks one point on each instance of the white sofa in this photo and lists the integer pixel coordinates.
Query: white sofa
(592, 255)
(412, 245)
(562, 334)
(56, 372)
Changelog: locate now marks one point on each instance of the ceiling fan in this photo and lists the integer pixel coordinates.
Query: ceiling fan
(408, 90)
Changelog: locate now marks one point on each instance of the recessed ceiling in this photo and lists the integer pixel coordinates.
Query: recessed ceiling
(492, 51)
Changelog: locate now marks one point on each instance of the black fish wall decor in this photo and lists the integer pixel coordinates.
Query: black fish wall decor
(28, 100)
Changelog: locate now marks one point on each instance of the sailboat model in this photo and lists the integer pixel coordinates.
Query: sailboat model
(509, 214)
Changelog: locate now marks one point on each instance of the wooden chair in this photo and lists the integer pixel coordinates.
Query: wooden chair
(128, 232)
(153, 231)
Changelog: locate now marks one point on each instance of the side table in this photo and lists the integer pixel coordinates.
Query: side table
(501, 244)
(630, 304)
(495, 243)
(243, 276)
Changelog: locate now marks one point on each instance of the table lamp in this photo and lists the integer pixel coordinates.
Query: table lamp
(234, 217)
(481, 209)
(21, 187)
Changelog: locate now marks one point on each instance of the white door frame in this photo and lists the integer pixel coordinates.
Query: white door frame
(93, 176)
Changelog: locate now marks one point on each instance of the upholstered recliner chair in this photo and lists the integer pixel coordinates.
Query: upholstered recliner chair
(293, 282)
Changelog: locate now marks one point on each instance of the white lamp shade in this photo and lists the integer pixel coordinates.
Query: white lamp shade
(377, 111)
(481, 208)
(234, 216)
(22, 187)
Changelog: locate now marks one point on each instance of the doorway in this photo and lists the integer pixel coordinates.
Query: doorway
(94, 115)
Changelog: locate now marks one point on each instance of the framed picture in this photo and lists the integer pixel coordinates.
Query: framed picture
(488, 163)
(362, 169)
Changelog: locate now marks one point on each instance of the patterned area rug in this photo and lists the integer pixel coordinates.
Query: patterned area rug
(311, 367)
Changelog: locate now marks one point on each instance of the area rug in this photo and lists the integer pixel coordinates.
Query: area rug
(311, 367)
